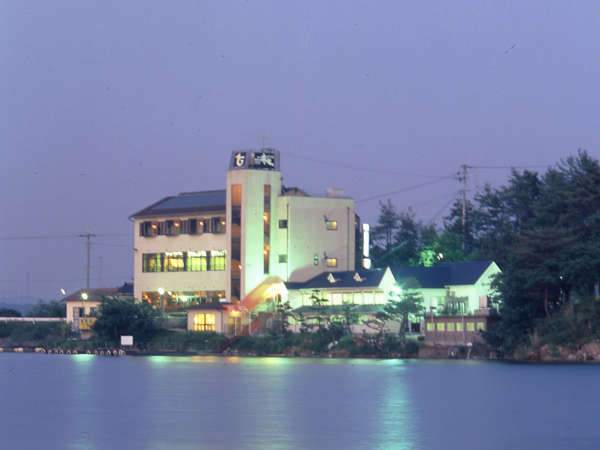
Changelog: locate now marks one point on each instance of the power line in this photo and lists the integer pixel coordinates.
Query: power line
(405, 189)
(536, 166)
(441, 210)
(359, 168)
(57, 236)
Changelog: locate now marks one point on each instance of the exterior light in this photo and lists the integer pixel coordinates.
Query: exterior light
(266, 216)
(62, 291)
(161, 291)
(169, 292)
(84, 295)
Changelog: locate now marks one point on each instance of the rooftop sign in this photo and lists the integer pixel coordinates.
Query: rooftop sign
(265, 159)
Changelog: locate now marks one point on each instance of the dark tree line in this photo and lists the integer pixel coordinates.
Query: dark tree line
(543, 230)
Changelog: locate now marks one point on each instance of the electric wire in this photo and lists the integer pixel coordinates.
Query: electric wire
(405, 189)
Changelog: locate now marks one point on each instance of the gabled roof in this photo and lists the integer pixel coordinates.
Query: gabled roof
(442, 275)
(345, 279)
(94, 294)
(185, 203)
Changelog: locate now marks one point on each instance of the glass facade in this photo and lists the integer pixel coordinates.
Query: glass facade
(192, 261)
(181, 300)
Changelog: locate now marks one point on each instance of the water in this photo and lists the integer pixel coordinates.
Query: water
(158, 402)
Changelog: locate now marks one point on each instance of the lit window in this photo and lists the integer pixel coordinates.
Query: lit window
(331, 224)
(440, 326)
(197, 261)
(337, 299)
(204, 322)
(218, 260)
(174, 227)
(470, 326)
(450, 326)
(218, 225)
(174, 262)
(148, 229)
(331, 262)
(481, 326)
(429, 326)
(151, 262)
(459, 326)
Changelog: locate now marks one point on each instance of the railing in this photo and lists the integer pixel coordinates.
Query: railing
(33, 319)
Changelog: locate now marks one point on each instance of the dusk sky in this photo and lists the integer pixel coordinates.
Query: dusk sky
(108, 106)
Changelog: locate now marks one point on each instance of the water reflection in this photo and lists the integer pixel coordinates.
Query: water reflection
(91, 402)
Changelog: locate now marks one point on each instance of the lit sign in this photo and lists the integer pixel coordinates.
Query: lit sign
(239, 160)
(266, 159)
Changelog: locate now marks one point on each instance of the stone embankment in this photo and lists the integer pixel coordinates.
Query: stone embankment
(589, 352)
(61, 351)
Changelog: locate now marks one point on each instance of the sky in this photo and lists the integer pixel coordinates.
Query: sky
(109, 106)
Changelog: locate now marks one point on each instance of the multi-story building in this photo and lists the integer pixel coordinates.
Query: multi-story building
(214, 247)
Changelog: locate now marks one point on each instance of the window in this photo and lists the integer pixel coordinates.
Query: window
(429, 326)
(337, 299)
(190, 226)
(218, 225)
(459, 326)
(282, 258)
(151, 262)
(283, 224)
(316, 260)
(197, 261)
(331, 262)
(450, 326)
(218, 260)
(148, 229)
(440, 326)
(480, 326)
(174, 262)
(174, 227)
(470, 326)
(204, 322)
(331, 225)
(202, 226)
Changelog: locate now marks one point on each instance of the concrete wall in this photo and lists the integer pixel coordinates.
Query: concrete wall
(87, 305)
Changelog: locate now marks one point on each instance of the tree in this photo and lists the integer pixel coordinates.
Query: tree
(125, 317)
(49, 309)
(404, 303)
(9, 312)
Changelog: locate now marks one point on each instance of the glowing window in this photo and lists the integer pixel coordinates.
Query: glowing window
(337, 299)
(429, 326)
(331, 262)
(197, 261)
(151, 262)
(369, 298)
(204, 322)
(470, 326)
(218, 259)
(331, 224)
(440, 326)
(459, 326)
(174, 262)
(450, 326)
(481, 326)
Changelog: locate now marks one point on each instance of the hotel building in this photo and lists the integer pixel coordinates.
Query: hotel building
(197, 250)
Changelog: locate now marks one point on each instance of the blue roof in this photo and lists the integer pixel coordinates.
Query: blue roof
(442, 275)
(345, 279)
(186, 202)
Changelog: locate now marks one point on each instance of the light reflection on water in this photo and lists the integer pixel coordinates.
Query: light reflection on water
(158, 402)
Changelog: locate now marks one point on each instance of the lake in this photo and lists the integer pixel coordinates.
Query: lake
(167, 402)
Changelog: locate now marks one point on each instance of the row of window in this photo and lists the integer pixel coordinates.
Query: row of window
(363, 298)
(455, 326)
(181, 300)
(216, 225)
(192, 261)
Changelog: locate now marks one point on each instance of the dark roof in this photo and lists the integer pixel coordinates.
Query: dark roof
(370, 278)
(186, 202)
(442, 275)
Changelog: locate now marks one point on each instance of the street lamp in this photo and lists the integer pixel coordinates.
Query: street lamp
(84, 295)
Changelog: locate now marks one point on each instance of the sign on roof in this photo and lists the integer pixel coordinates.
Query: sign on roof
(265, 159)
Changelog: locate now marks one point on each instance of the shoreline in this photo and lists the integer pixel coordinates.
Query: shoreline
(118, 352)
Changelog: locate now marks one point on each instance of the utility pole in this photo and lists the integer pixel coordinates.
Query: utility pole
(87, 265)
(463, 177)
